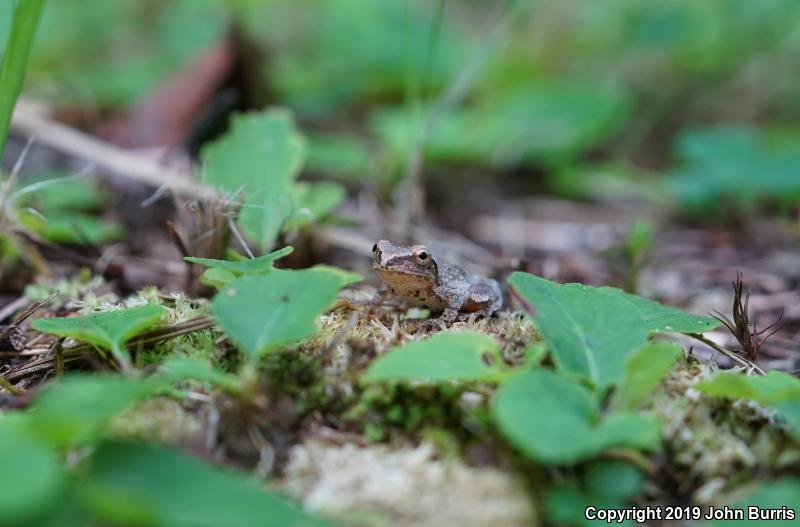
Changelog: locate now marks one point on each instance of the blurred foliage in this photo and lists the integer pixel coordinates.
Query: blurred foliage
(586, 90)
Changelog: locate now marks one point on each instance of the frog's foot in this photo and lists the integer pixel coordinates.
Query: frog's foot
(429, 325)
(475, 315)
(448, 316)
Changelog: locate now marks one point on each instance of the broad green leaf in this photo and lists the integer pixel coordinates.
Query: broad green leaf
(136, 484)
(185, 368)
(107, 329)
(260, 312)
(775, 494)
(261, 154)
(75, 411)
(593, 330)
(447, 356)
(644, 370)
(32, 479)
(554, 420)
(777, 390)
(259, 265)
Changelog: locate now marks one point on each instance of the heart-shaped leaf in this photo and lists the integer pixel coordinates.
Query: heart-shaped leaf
(140, 484)
(259, 265)
(555, 420)
(593, 330)
(260, 312)
(107, 329)
(448, 356)
(261, 154)
(76, 410)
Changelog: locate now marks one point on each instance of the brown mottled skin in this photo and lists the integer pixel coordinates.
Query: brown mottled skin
(413, 274)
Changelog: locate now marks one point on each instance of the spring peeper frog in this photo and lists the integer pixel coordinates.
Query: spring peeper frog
(413, 274)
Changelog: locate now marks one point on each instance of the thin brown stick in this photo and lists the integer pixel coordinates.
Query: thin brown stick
(76, 352)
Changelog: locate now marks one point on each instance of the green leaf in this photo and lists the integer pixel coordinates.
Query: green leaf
(260, 312)
(185, 368)
(262, 154)
(59, 191)
(107, 329)
(338, 154)
(259, 265)
(593, 330)
(777, 390)
(554, 420)
(345, 277)
(314, 201)
(32, 481)
(613, 479)
(217, 278)
(644, 370)
(775, 386)
(15, 60)
(774, 494)
(138, 484)
(719, 167)
(447, 356)
(72, 227)
(76, 410)
(605, 484)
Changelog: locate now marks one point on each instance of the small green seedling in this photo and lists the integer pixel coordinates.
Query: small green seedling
(555, 420)
(591, 331)
(108, 329)
(222, 272)
(447, 356)
(260, 265)
(262, 154)
(261, 312)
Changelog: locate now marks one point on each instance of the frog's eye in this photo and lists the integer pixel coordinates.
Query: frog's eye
(422, 256)
(375, 248)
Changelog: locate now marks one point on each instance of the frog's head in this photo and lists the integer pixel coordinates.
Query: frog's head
(395, 262)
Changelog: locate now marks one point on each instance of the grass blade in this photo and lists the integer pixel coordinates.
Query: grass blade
(15, 60)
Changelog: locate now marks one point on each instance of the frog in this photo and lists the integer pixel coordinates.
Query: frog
(422, 280)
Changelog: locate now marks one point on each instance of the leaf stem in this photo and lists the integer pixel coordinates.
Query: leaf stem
(731, 355)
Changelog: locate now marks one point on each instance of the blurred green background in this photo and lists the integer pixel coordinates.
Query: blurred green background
(676, 102)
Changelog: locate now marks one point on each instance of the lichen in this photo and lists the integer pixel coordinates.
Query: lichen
(407, 486)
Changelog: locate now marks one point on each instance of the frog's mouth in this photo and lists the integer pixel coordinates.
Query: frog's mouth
(387, 273)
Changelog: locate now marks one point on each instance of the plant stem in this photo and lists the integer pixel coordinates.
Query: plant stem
(731, 355)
